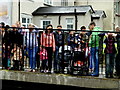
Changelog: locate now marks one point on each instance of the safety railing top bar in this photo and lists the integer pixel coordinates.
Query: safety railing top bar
(105, 31)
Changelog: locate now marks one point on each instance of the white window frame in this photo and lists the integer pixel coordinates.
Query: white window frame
(64, 2)
(48, 2)
(26, 17)
(41, 21)
(118, 7)
(69, 23)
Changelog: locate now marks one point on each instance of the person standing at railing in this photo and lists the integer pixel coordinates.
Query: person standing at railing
(48, 41)
(21, 34)
(58, 40)
(71, 39)
(5, 47)
(84, 38)
(2, 24)
(31, 44)
(44, 58)
(117, 61)
(15, 38)
(84, 43)
(17, 56)
(94, 44)
(110, 50)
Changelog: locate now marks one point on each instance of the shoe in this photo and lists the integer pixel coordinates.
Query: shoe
(117, 77)
(95, 75)
(111, 76)
(22, 69)
(49, 72)
(33, 70)
(56, 72)
(42, 71)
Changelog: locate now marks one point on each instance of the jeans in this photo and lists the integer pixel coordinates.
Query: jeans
(109, 62)
(32, 56)
(56, 59)
(94, 62)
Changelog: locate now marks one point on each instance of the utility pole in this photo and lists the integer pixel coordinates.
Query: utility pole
(19, 10)
(75, 19)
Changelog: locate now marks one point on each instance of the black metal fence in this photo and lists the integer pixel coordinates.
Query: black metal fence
(63, 51)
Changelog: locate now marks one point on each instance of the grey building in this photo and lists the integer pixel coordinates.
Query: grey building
(98, 18)
(70, 17)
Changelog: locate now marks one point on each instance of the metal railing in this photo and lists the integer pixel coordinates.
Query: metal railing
(68, 52)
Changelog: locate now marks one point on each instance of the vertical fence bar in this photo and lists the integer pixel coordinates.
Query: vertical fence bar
(33, 51)
(2, 48)
(62, 61)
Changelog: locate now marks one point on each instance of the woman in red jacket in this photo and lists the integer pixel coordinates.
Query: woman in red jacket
(48, 41)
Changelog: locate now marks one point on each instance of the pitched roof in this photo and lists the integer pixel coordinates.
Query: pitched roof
(98, 14)
(57, 10)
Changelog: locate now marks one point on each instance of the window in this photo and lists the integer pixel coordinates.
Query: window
(64, 2)
(69, 22)
(117, 7)
(26, 21)
(44, 23)
(48, 2)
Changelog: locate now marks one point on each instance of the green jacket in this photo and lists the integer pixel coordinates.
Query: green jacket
(94, 40)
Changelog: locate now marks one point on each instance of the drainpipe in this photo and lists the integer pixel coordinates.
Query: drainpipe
(75, 19)
(59, 21)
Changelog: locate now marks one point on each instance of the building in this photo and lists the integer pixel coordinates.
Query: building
(98, 18)
(111, 8)
(71, 13)
(70, 17)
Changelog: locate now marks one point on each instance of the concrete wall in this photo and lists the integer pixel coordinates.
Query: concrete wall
(14, 12)
(26, 7)
(99, 22)
(82, 20)
(107, 6)
(61, 79)
(54, 19)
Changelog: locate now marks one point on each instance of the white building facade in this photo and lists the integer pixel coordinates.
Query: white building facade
(23, 9)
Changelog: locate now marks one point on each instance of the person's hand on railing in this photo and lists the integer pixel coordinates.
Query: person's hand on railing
(3, 45)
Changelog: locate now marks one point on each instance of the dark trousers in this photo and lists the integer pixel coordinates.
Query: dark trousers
(16, 64)
(117, 64)
(56, 59)
(44, 65)
(50, 53)
(109, 61)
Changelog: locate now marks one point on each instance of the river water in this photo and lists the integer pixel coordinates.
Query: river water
(10, 85)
